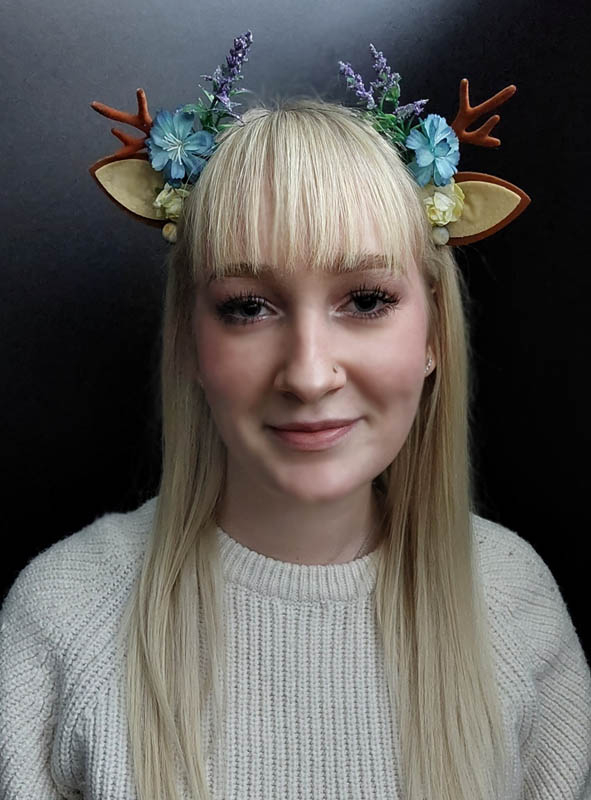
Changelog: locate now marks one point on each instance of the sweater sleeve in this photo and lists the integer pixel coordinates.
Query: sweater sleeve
(559, 762)
(29, 682)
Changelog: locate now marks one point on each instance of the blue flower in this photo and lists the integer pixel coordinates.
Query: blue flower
(436, 149)
(176, 149)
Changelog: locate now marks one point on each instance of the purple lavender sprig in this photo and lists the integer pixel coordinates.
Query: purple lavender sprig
(388, 82)
(396, 124)
(416, 109)
(223, 78)
(355, 81)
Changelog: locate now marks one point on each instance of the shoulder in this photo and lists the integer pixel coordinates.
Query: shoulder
(80, 570)
(511, 567)
(543, 671)
(523, 597)
(60, 655)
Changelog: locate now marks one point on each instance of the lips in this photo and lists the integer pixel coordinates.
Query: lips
(320, 439)
(322, 425)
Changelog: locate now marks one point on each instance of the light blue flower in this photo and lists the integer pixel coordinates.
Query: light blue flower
(176, 149)
(436, 149)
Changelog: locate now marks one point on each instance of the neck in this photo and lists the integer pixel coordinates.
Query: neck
(283, 527)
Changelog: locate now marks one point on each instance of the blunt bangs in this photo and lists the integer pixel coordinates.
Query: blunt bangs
(316, 175)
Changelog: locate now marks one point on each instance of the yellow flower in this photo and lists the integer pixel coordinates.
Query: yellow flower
(170, 200)
(443, 204)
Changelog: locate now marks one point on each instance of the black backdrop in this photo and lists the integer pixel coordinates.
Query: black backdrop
(82, 283)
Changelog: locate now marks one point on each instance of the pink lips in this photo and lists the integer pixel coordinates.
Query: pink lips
(314, 440)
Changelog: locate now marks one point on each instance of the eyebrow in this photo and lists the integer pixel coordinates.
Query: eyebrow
(244, 269)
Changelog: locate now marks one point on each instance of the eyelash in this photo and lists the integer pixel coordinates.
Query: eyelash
(227, 307)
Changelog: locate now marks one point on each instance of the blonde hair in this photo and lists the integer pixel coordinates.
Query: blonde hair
(324, 166)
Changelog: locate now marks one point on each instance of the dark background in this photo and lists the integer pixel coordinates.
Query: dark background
(82, 283)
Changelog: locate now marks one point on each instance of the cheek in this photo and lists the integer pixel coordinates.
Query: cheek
(212, 354)
(396, 371)
(226, 374)
(400, 377)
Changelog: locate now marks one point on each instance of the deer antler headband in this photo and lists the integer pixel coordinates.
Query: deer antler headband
(462, 207)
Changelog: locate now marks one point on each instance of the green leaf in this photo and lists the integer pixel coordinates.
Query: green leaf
(195, 108)
(392, 94)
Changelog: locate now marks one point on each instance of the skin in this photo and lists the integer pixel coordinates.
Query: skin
(290, 505)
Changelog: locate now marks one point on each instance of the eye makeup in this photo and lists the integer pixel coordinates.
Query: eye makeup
(248, 302)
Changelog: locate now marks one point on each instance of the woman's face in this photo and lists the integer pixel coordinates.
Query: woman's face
(268, 361)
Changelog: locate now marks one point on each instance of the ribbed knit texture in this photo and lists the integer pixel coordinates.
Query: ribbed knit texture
(307, 710)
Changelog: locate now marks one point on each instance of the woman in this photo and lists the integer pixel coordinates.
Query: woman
(300, 615)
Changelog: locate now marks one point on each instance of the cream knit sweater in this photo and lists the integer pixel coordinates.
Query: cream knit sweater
(308, 716)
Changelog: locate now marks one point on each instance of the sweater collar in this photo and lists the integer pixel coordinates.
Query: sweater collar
(310, 583)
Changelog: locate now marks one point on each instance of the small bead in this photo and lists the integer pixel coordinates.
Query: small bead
(440, 235)
(169, 232)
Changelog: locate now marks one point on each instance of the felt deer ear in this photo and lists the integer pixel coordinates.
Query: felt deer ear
(490, 203)
(127, 176)
(132, 184)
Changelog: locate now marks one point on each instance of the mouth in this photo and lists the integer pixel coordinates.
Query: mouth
(314, 426)
(314, 439)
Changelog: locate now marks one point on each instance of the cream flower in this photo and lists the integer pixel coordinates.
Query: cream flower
(443, 204)
(170, 201)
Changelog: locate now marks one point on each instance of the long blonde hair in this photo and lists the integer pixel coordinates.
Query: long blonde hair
(325, 167)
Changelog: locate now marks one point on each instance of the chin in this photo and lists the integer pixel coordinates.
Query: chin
(314, 487)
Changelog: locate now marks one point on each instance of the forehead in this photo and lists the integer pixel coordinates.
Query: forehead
(374, 265)
(266, 239)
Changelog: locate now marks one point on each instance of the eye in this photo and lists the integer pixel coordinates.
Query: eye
(365, 296)
(243, 308)
(247, 302)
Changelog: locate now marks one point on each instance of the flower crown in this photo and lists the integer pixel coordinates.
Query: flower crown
(462, 207)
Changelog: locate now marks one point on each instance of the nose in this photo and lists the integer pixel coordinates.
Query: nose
(310, 350)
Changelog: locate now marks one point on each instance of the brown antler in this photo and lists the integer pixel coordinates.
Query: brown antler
(468, 114)
(142, 120)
